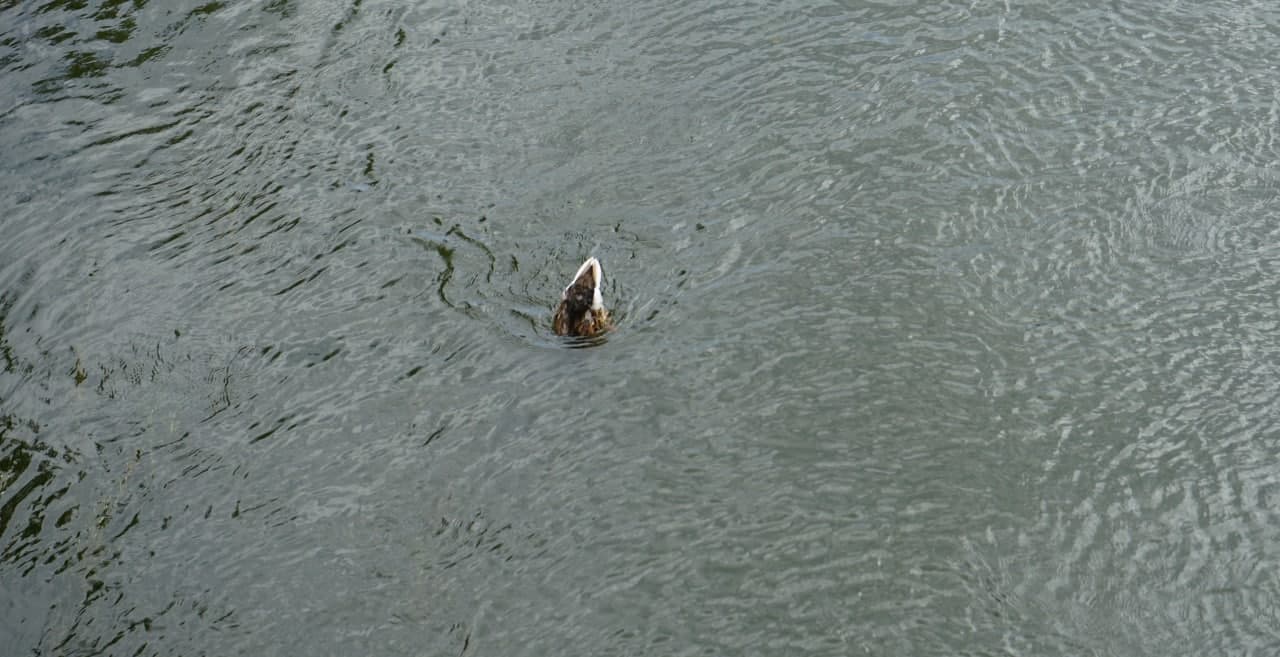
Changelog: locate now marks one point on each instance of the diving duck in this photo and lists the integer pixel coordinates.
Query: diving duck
(581, 312)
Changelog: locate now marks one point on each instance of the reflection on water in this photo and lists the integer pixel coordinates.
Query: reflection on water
(941, 329)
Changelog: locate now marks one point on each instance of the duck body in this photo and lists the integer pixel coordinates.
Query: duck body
(581, 311)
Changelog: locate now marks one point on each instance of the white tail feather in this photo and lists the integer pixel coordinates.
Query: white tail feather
(597, 301)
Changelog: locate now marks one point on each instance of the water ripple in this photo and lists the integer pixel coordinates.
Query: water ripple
(943, 328)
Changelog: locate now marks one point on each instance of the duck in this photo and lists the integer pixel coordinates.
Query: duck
(581, 312)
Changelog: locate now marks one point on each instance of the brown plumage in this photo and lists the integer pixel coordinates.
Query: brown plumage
(581, 311)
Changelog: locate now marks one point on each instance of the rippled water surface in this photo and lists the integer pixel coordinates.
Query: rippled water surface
(944, 328)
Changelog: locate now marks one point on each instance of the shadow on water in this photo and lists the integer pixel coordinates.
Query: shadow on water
(59, 519)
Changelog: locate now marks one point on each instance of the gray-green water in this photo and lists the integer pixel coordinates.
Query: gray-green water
(945, 328)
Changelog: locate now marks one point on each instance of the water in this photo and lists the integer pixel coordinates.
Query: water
(945, 328)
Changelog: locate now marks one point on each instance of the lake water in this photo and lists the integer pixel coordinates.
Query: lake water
(944, 328)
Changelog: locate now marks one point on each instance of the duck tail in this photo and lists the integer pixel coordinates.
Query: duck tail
(589, 276)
